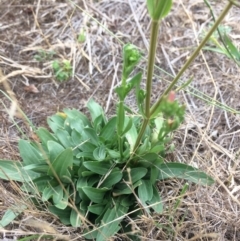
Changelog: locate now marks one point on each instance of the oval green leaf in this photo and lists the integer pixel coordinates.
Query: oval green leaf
(114, 177)
(183, 171)
(156, 201)
(29, 154)
(99, 153)
(145, 191)
(101, 168)
(95, 194)
(75, 218)
(61, 165)
(54, 149)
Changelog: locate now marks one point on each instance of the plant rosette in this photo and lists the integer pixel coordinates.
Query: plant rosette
(79, 173)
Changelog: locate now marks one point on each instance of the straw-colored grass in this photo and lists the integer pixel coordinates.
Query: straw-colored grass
(208, 139)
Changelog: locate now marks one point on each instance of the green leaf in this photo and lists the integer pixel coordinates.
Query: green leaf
(64, 137)
(120, 91)
(61, 164)
(54, 150)
(95, 194)
(90, 233)
(41, 182)
(55, 65)
(127, 125)
(63, 203)
(159, 123)
(77, 115)
(159, 8)
(113, 154)
(123, 90)
(109, 130)
(87, 155)
(147, 164)
(75, 125)
(76, 138)
(84, 206)
(133, 178)
(136, 79)
(217, 50)
(81, 36)
(58, 194)
(101, 168)
(64, 215)
(157, 148)
(144, 147)
(87, 173)
(95, 110)
(99, 123)
(131, 136)
(75, 218)
(11, 214)
(183, 171)
(45, 136)
(13, 170)
(114, 177)
(154, 174)
(48, 193)
(123, 188)
(145, 191)
(38, 168)
(56, 122)
(96, 208)
(232, 48)
(185, 84)
(82, 182)
(156, 201)
(150, 157)
(99, 153)
(120, 118)
(140, 94)
(91, 135)
(29, 154)
(111, 220)
(136, 174)
(87, 147)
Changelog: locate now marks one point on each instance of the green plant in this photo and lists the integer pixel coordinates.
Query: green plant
(225, 45)
(62, 70)
(82, 36)
(44, 55)
(95, 172)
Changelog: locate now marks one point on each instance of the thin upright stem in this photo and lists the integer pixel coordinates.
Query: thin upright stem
(150, 68)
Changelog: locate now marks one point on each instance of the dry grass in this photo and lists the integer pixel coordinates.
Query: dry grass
(209, 138)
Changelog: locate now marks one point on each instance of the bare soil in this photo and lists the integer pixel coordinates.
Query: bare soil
(208, 139)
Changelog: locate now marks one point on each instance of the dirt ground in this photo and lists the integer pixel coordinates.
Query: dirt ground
(209, 137)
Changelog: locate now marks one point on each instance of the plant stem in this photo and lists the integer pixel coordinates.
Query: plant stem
(193, 56)
(186, 65)
(151, 60)
(120, 126)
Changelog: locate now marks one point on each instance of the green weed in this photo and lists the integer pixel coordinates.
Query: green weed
(43, 55)
(220, 41)
(82, 36)
(62, 70)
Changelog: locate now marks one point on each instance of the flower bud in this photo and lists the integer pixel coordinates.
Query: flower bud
(171, 96)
